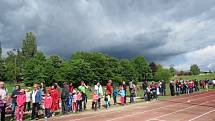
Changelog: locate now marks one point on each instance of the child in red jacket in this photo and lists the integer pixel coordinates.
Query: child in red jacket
(47, 105)
(20, 100)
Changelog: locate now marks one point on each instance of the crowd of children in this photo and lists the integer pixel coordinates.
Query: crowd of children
(74, 100)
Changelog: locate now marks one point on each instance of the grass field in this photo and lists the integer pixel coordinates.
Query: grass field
(197, 77)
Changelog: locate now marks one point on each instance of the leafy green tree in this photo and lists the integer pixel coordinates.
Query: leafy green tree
(194, 69)
(2, 69)
(29, 45)
(172, 70)
(52, 68)
(77, 70)
(103, 66)
(34, 69)
(153, 67)
(142, 68)
(162, 74)
(128, 70)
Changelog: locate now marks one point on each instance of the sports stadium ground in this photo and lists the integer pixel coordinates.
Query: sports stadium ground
(195, 107)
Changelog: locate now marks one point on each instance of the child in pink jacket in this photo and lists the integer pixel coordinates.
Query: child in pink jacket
(48, 104)
(20, 100)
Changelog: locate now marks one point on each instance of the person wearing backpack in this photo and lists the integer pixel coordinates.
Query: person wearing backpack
(4, 98)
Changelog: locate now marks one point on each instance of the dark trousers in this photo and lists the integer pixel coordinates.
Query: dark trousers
(84, 100)
(114, 99)
(3, 113)
(47, 113)
(148, 96)
(35, 110)
(132, 98)
(94, 105)
(79, 105)
(99, 103)
(27, 106)
(13, 110)
(64, 106)
(125, 98)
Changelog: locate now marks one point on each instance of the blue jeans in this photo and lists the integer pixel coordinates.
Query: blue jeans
(13, 106)
(107, 104)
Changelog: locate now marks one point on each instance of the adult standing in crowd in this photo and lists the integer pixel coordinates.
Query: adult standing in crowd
(99, 91)
(5, 98)
(171, 86)
(65, 98)
(109, 88)
(132, 89)
(14, 95)
(55, 98)
(144, 87)
(36, 101)
(82, 89)
(163, 88)
(43, 89)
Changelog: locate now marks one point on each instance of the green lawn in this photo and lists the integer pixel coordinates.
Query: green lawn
(197, 77)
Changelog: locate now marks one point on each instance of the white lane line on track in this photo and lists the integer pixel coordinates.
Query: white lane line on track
(105, 113)
(152, 110)
(180, 110)
(202, 115)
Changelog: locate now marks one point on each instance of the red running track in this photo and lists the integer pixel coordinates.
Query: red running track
(195, 107)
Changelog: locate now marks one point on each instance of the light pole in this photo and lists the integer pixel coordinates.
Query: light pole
(15, 59)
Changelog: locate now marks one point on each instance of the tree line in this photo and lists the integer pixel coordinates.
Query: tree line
(31, 65)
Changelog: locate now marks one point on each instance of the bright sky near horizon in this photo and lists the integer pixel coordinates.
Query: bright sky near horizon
(178, 32)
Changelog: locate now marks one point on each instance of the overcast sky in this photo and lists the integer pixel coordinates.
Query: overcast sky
(178, 32)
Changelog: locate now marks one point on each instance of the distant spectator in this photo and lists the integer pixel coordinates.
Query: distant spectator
(99, 92)
(109, 88)
(43, 89)
(21, 98)
(122, 95)
(171, 86)
(95, 100)
(107, 101)
(82, 88)
(55, 98)
(14, 95)
(48, 105)
(5, 98)
(74, 101)
(144, 87)
(36, 101)
(163, 88)
(115, 93)
(65, 98)
(125, 88)
(79, 101)
(28, 99)
(132, 89)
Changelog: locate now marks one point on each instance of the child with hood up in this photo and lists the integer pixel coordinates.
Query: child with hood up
(21, 98)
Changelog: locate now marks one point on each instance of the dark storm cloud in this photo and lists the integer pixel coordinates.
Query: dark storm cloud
(156, 29)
